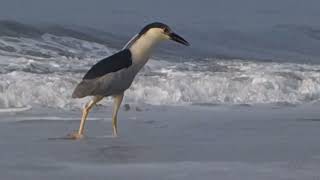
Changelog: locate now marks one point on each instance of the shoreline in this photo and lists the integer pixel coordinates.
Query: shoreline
(224, 142)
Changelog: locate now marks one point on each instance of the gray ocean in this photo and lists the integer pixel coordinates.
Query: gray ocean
(248, 52)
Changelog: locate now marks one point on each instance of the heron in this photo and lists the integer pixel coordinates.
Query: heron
(113, 75)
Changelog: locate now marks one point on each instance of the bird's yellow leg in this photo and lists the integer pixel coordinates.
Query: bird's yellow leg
(117, 102)
(85, 112)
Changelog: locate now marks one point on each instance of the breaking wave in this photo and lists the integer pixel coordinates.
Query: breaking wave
(163, 83)
(228, 82)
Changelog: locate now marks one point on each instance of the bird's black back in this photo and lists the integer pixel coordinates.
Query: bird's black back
(110, 64)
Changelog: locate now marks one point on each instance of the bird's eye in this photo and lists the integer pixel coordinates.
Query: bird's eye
(166, 30)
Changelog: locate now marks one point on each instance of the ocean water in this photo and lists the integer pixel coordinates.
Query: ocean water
(245, 94)
(41, 65)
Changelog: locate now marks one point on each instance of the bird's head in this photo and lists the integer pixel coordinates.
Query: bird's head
(159, 31)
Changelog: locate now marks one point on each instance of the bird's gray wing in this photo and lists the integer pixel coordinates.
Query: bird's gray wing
(114, 63)
(92, 87)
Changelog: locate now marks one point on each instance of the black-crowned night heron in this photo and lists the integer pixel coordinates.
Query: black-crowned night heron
(113, 75)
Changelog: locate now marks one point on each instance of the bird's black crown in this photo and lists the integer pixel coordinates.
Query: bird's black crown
(153, 25)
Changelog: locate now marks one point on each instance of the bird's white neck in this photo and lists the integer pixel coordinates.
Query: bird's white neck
(142, 48)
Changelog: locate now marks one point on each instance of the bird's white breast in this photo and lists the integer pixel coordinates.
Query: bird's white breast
(141, 51)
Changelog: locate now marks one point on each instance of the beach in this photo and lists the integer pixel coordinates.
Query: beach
(242, 102)
(164, 142)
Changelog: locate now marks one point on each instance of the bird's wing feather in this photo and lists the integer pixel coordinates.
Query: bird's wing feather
(114, 63)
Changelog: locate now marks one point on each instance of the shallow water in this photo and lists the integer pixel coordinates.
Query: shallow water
(224, 142)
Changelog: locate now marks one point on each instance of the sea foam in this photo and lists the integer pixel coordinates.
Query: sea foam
(28, 79)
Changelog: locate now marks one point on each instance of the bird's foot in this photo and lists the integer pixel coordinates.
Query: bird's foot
(75, 136)
(114, 133)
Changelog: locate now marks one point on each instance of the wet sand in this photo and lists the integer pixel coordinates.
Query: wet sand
(193, 142)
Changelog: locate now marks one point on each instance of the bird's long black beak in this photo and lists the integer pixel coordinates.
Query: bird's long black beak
(179, 39)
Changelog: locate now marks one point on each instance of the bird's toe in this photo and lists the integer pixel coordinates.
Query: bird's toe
(75, 136)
